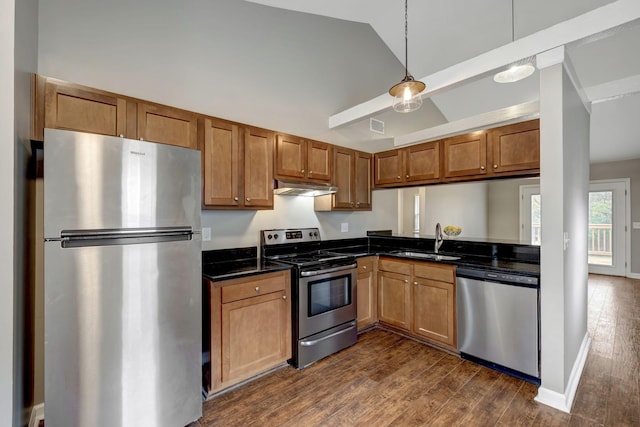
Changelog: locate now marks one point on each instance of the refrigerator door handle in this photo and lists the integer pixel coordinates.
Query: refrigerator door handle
(111, 237)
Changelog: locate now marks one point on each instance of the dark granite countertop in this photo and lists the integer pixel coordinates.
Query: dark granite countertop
(232, 263)
(239, 268)
(470, 261)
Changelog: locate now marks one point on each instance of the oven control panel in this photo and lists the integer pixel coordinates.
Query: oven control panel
(289, 235)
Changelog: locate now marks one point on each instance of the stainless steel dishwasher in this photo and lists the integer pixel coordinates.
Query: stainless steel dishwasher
(498, 321)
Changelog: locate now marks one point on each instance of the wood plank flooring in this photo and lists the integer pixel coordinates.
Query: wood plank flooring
(388, 380)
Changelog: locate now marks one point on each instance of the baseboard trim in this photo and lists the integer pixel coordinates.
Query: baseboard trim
(633, 275)
(561, 401)
(37, 415)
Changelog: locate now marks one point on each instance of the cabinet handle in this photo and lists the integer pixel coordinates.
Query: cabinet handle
(481, 168)
(257, 288)
(284, 297)
(495, 166)
(235, 199)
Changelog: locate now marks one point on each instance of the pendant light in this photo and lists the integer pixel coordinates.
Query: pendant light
(406, 94)
(515, 72)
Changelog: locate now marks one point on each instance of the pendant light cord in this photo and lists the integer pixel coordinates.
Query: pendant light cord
(406, 40)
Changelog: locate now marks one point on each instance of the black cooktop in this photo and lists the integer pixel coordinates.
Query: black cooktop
(316, 258)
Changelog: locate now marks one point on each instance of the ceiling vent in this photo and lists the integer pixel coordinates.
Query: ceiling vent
(376, 126)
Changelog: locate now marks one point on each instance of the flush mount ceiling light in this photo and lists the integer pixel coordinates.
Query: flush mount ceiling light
(406, 94)
(515, 72)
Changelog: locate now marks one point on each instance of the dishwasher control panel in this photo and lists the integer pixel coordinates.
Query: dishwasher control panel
(495, 276)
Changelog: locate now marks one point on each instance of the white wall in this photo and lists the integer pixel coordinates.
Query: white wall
(503, 201)
(232, 229)
(564, 163)
(463, 205)
(6, 210)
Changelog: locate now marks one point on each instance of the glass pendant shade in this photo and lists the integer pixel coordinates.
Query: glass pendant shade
(513, 74)
(406, 95)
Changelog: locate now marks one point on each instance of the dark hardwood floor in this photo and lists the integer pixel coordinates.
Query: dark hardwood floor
(388, 380)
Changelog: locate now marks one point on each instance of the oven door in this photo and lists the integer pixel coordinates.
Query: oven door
(326, 299)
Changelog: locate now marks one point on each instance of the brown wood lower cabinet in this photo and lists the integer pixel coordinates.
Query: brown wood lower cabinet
(367, 294)
(418, 298)
(250, 327)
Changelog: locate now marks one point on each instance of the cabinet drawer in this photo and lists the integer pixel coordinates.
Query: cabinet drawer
(365, 265)
(399, 267)
(238, 289)
(440, 272)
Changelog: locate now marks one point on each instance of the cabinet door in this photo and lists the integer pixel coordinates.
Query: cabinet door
(258, 168)
(220, 152)
(291, 155)
(344, 177)
(434, 314)
(256, 335)
(72, 107)
(319, 161)
(367, 293)
(422, 162)
(465, 155)
(516, 147)
(394, 299)
(388, 168)
(363, 180)
(167, 125)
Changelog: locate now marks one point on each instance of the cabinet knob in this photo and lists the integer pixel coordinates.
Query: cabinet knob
(406, 281)
(141, 139)
(481, 168)
(257, 288)
(302, 171)
(406, 176)
(121, 136)
(364, 267)
(351, 204)
(398, 177)
(235, 199)
(310, 172)
(284, 297)
(495, 166)
(248, 199)
(415, 283)
(357, 204)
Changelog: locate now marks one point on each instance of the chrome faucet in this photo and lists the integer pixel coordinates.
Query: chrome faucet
(439, 238)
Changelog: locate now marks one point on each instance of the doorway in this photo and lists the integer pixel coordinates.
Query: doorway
(608, 216)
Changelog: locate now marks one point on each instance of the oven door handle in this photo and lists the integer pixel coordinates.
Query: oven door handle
(328, 270)
(349, 327)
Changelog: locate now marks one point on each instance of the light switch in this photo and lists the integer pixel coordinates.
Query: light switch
(565, 238)
(206, 234)
(344, 227)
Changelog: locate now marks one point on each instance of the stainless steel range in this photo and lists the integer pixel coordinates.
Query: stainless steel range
(324, 291)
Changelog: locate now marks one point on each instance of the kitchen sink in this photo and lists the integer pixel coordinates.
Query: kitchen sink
(424, 255)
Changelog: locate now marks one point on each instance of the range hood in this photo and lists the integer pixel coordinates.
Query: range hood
(303, 189)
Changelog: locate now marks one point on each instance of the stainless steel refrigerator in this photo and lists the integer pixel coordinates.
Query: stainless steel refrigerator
(123, 291)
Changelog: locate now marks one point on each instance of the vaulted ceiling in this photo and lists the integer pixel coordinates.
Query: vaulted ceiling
(449, 37)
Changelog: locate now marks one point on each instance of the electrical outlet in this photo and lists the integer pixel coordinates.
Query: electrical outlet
(206, 234)
(344, 227)
(565, 238)
(636, 225)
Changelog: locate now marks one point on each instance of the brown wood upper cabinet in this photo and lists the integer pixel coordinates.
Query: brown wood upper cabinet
(418, 164)
(167, 125)
(466, 155)
(237, 165)
(352, 176)
(61, 105)
(515, 148)
(299, 159)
